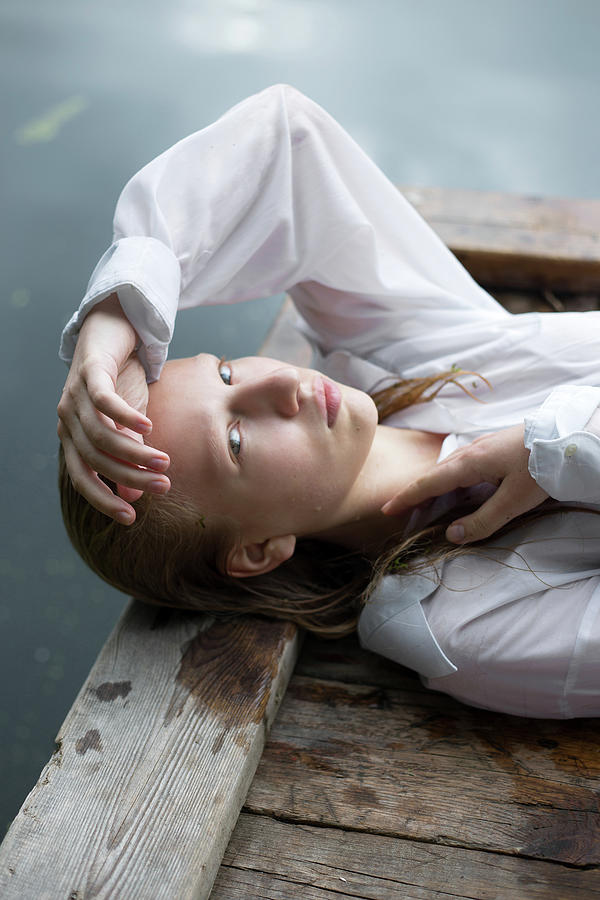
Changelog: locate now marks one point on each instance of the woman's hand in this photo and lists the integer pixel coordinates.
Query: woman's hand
(101, 432)
(499, 459)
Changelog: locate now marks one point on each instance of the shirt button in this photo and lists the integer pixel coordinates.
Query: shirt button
(571, 450)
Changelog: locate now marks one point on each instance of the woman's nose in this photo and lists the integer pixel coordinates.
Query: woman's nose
(275, 391)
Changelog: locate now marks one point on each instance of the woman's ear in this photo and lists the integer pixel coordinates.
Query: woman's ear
(256, 559)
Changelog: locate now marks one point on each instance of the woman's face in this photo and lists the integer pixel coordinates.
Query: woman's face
(275, 447)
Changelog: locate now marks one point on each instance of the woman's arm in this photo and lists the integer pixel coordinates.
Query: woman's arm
(274, 196)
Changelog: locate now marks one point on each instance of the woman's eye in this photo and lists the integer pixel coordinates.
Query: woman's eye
(225, 373)
(235, 440)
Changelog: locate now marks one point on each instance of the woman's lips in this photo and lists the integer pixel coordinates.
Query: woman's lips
(333, 399)
(329, 398)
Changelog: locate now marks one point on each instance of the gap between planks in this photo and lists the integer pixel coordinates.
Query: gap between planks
(382, 868)
(412, 839)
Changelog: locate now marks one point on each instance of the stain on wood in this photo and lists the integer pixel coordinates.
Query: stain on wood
(574, 839)
(313, 759)
(337, 695)
(229, 669)
(90, 741)
(111, 690)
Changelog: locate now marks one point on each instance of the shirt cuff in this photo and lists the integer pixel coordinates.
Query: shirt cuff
(564, 455)
(146, 275)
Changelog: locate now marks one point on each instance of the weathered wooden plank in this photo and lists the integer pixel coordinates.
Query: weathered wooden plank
(517, 241)
(243, 884)
(274, 859)
(546, 301)
(524, 211)
(344, 660)
(153, 761)
(424, 767)
(560, 751)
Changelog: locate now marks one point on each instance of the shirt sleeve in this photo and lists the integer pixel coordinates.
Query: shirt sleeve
(563, 437)
(274, 196)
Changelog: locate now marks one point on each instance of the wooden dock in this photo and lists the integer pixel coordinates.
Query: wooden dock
(372, 786)
(193, 763)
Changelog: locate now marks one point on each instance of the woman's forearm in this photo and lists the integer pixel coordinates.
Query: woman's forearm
(274, 196)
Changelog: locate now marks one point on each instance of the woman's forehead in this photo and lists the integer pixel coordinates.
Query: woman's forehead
(184, 410)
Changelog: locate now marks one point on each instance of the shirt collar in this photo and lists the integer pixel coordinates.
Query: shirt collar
(393, 624)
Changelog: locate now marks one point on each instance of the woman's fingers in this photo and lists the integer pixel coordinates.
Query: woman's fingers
(99, 495)
(452, 473)
(499, 459)
(100, 389)
(128, 494)
(114, 466)
(95, 435)
(99, 421)
(513, 498)
(102, 415)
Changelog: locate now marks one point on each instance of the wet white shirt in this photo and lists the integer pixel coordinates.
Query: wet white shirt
(275, 196)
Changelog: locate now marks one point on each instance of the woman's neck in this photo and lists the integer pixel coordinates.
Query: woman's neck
(397, 457)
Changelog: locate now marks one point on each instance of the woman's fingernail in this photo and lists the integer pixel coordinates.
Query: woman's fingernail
(456, 534)
(124, 517)
(159, 487)
(159, 463)
(385, 507)
(143, 427)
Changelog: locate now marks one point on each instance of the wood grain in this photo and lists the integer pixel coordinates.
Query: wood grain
(517, 241)
(272, 859)
(420, 766)
(153, 761)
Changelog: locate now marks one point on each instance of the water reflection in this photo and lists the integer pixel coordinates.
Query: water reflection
(265, 27)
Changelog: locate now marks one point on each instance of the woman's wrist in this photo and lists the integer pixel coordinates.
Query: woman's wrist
(107, 320)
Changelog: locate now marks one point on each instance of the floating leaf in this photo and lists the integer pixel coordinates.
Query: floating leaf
(47, 126)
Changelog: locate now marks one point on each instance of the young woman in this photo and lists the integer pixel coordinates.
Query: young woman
(279, 474)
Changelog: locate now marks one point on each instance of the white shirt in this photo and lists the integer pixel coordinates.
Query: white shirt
(275, 196)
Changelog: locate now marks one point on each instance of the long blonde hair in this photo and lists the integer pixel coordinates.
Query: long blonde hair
(172, 556)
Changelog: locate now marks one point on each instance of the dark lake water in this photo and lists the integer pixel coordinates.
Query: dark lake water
(500, 96)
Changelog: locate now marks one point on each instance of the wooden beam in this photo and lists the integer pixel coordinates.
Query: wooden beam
(517, 241)
(153, 761)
